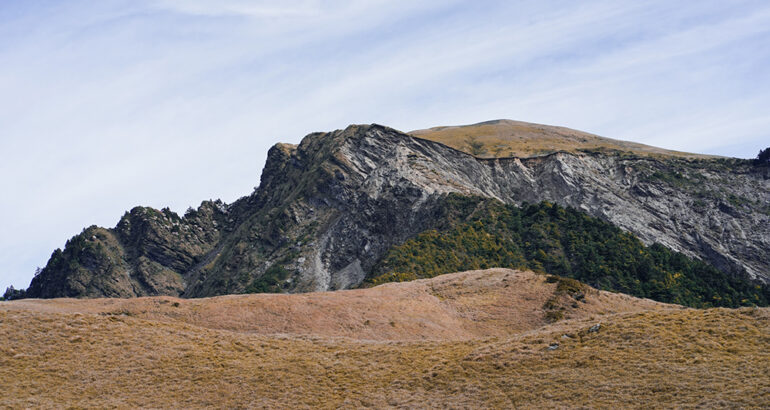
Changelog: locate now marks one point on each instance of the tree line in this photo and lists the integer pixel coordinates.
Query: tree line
(478, 233)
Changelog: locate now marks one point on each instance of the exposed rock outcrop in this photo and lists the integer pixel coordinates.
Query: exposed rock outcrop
(328, 209)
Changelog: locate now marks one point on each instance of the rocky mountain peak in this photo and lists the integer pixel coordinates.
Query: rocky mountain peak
(328, 209)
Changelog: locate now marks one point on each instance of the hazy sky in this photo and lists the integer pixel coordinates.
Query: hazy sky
(105, 105)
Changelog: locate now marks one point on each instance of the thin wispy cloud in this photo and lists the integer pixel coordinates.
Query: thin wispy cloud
(111, 104)
(257, 9)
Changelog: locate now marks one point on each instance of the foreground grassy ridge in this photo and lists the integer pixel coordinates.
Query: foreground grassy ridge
(714, 358)
(506, 138)
(458, 306)
(477, 233)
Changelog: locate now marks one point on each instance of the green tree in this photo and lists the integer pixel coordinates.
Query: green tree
(477, 233)
(763, 158)
(13, 294)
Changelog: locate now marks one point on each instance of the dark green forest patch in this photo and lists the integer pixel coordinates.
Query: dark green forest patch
(477, 233)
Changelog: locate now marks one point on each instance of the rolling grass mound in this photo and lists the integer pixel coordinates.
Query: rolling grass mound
(470, 339)
(507, 138)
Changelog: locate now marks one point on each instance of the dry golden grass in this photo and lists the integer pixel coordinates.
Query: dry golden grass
(136, 353)
(507, 138)
(458, 306)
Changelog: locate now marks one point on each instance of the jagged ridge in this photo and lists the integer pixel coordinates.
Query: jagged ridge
(328, 209)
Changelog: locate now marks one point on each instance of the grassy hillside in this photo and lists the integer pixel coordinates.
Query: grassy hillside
(418, 310)
(477, 233)
(166, 352)
(506, 138)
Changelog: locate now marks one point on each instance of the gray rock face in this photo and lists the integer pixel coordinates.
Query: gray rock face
(146, 254)
(380, 187)
(327, 210)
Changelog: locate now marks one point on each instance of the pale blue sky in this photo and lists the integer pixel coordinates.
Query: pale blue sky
(105, 105)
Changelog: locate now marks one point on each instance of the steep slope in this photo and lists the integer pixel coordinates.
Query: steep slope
(327, 210)
(474, 232)
(145, 254)
(486, 344)
(507, 138)
(339, 201)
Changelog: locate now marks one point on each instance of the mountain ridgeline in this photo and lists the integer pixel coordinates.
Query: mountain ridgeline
(341, 209)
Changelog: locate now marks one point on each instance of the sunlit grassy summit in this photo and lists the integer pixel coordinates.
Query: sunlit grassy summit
(508, 138)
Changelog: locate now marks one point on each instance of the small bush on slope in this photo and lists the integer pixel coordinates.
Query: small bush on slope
(477, 233)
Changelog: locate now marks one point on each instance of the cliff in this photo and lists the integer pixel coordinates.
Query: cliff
(327, 210)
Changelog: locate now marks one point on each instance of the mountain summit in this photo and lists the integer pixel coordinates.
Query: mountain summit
(328, 210)
(508, 138)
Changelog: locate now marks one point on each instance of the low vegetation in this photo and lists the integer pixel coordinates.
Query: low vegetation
(474, 146)
(270, 281)
(569, 292)
(506, 138)
(495, 351)
(477, 233)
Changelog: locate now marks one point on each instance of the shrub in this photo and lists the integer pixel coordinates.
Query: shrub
(474, 146)
(270, 281)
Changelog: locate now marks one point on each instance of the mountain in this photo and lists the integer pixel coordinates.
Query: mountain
(471, 339)
(507, 138)
(327, 211)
